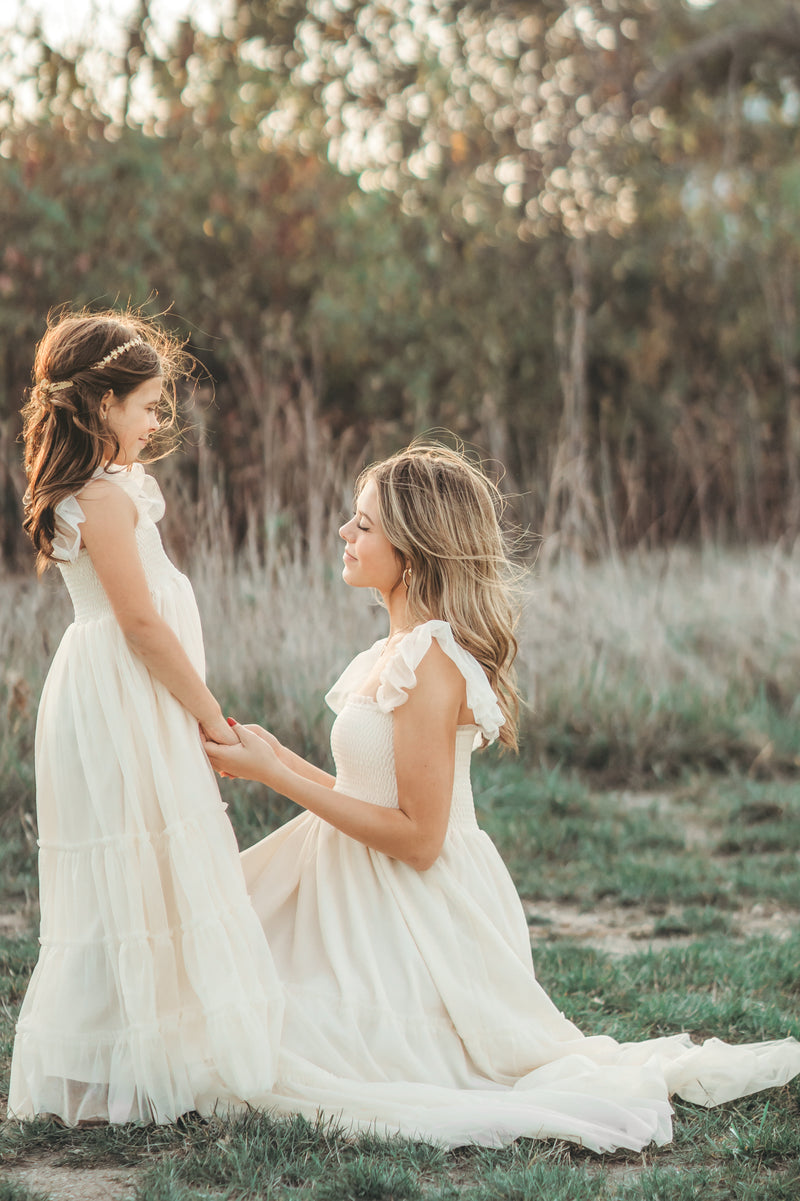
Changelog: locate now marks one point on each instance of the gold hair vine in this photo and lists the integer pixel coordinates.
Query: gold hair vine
(116, 352)
(49, 386)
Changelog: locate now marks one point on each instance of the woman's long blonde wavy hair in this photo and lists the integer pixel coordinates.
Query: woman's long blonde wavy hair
(66, 437)
(441, 513)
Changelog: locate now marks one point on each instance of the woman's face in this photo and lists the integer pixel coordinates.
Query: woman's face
(134, 419)
(370, 560)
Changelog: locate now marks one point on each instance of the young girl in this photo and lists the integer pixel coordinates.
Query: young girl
(412, 1002)
(154, 993)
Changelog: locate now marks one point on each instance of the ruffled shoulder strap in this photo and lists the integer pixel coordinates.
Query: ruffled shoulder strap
(399, 675)
(353, 676)
(67, 536)
(140, 487)
(134, 481)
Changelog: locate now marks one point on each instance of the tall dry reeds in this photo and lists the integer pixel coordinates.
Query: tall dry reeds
(643, 665)
(635, 669)
(639, 665)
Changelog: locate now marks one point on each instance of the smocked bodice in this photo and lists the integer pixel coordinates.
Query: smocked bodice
(87, 594)
(362, 742)
(362, 738)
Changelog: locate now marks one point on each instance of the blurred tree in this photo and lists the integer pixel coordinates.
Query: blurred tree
(565, 229)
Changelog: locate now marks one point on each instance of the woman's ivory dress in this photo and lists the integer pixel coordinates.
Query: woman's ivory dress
(411, 1000)
(154, 993)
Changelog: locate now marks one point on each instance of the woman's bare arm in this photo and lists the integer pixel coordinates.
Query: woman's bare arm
(424, 744)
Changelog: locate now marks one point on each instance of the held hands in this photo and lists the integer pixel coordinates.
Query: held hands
(217, 730)
(262, 733)
(254, 755)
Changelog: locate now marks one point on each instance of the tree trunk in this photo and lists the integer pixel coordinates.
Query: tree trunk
(572, 521)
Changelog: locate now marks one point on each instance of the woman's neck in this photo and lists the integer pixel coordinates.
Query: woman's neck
(397, 608)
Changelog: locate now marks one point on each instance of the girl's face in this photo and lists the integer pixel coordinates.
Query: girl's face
(134, 419)
(370, 560)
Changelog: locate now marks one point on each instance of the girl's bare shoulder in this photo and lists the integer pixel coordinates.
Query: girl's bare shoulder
(102, 489)
(105, 505)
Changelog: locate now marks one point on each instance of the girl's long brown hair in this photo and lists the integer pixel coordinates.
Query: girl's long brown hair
(441, 513)
(66, 438)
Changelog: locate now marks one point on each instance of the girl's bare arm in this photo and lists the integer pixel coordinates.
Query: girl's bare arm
(108, 534)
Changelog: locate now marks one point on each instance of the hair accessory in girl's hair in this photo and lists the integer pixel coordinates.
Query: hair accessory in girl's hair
(49, 386)
(116, 352)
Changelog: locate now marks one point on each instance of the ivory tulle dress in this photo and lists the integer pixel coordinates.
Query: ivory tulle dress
(411, 1000)
(154, 993)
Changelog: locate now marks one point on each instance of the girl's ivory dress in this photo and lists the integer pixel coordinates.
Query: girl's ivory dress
(154, 993)
(411, 1000)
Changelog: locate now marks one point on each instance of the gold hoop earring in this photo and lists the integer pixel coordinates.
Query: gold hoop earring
(407, 573)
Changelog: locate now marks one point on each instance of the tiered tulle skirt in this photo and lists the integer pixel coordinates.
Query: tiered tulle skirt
(155, 992)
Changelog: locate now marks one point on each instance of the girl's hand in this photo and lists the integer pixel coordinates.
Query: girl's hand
(218, 731)
(253, 758)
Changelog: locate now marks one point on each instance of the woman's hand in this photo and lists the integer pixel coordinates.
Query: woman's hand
(252, 758)
(270, 739)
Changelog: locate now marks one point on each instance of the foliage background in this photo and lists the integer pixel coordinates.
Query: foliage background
(565, 230)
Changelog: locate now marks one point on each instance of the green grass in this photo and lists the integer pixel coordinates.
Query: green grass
(693, 920)
(708, 845)
(739, 991)
(15, 1190)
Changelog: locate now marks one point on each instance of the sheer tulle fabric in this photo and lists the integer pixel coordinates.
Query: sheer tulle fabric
(154, 992)
(412, 1003)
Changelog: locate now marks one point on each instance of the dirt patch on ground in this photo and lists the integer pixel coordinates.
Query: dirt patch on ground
(63, 1183)
(623, 929)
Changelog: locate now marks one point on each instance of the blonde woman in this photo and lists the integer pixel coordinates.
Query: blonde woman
(403, 949)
